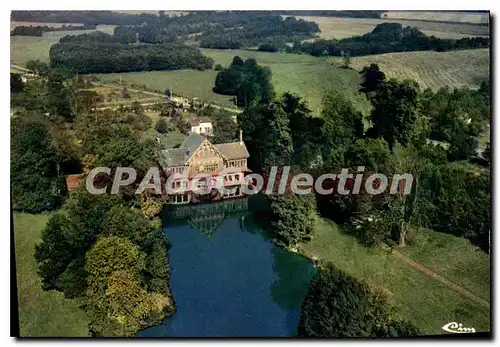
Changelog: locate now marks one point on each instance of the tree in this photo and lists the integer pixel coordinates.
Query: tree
(35, 181)
(346, 58)
(59, 94)
(304, 130)
(487, 152)
(218, 67)
(38, 67)
(394, 111)
(266, 133)
(225, 128)
(342, 126)
(249, 82)
(182, 125)
(293, 217)
(110, 254)
(373, 154)
(161, 126)
(75, 228)
(54, 253)
(120, 307)
(457, 117)
(372, 78)
(125, 93)
(459, 201)
(130, 224)
(339, 306)
(16, 83)
(168, 94)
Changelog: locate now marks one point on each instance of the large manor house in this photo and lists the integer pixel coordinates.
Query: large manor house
(198, 155)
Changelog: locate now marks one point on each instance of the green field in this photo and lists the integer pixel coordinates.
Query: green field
(418, 297)
(41, 313)
(303, 74)
(454, 258)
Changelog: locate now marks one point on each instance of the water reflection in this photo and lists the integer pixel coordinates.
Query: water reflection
(228, 279)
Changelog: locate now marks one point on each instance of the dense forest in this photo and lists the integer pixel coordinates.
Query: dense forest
(262, 29)
(39, 30)
(387, 38)
(227, 29)
(104, 57)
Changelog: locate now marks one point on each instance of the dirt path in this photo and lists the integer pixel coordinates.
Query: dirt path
(161, 95)
(441, 279)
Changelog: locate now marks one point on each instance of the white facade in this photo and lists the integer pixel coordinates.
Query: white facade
(202, 128)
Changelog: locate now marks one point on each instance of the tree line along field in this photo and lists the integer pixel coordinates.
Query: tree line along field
(467, 68)
(339, 28)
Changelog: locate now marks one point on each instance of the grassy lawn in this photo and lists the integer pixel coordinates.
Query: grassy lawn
(454, 258)
(41, 313)
(466, 68)
(168, 140)
(308, 76)
(416, 296)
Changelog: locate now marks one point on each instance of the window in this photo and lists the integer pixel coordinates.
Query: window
(212, 167)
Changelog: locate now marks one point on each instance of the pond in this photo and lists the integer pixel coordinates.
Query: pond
(228, 279)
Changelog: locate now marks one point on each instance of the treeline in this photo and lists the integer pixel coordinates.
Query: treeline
(220, 29)
(387, 38)
(84, 17)
(344, 14)
(87, 56)
(249, 82)
(261, 29)
(229, 29)
(39, 30)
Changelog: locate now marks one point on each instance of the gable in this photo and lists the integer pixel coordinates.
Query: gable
(206, 150)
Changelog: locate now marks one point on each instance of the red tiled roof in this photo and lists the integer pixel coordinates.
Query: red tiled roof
(73, 181)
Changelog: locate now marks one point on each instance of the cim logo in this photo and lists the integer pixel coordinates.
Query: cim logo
(457, 328)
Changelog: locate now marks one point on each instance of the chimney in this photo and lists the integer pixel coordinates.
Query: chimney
(241, 137)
